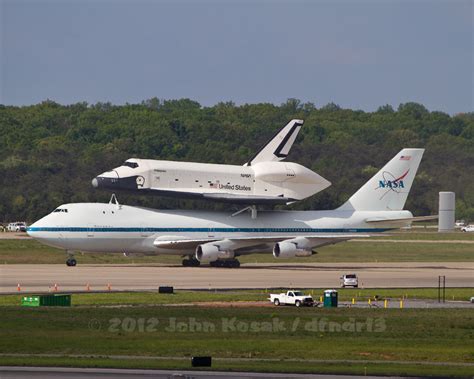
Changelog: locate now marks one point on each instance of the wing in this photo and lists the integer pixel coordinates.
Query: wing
(237, 243)
(221, 197)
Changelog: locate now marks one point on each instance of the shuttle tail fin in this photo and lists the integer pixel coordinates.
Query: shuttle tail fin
(389, 188)
(279, 146)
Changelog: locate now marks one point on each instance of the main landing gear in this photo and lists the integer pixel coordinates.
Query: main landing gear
(191, 262)
(229, 263)
(71, 261)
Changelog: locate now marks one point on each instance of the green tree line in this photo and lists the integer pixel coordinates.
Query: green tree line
(50, 152)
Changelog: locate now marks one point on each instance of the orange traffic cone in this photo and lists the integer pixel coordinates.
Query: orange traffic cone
(18, 287)
(109, 287)
(55, 287)
(88, 288)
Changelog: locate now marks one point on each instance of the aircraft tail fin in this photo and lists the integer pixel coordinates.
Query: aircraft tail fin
(389, 188)
(279, 146)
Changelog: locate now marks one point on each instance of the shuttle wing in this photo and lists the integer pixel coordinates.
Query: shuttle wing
(221, 197)
(279, 146)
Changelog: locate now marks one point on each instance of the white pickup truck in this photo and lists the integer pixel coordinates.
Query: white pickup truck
(291, 297)
(468, 228)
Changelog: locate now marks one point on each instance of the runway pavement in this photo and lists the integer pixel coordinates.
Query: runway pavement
(42, 277)
(98, 373)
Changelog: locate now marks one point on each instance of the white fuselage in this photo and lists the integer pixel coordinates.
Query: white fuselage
(97, 227)
(262, 182)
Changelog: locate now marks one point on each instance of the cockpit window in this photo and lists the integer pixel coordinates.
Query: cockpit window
(130, 164)
(60, 210)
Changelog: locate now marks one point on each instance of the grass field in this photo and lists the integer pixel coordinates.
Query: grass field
(187, 297)
(30, 251)
(151, 330)
(398, 342)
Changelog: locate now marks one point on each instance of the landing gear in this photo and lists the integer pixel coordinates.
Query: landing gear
(191, 262)
(71, 261)
(229, 263)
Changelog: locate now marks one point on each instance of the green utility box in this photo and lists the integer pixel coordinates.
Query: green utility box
(55, 300)
(330, 299)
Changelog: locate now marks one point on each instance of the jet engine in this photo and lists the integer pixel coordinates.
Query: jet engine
(288, 249)
(210, 252)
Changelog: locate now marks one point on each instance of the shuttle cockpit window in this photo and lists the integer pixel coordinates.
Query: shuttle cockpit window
(130, 164)
(64, 210)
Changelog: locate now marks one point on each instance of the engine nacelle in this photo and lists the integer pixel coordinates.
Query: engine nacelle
(287, 249)
(209, 252)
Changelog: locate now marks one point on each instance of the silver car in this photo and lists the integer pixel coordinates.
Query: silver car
(349, 280)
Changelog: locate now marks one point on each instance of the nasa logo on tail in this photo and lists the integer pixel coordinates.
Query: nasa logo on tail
(391, 183)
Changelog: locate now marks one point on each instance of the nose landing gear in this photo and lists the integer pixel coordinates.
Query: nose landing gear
(71, 261)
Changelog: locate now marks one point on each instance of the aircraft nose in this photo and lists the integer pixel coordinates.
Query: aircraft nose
(112, 180)
(35, 229)
(108, 179)
(29, 229)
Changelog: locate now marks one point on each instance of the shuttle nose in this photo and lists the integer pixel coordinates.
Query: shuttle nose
(112, 180)
(108, 179)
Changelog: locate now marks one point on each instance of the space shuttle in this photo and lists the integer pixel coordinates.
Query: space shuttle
(264, 179)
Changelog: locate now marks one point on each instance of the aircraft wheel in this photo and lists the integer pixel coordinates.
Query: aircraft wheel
(233, 263)
(191, 263)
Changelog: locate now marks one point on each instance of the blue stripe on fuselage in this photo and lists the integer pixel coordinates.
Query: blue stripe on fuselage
(204, 230)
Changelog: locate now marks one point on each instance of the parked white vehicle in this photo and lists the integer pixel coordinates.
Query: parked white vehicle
(292, 298)
(468, 228)
(349, 280)
(459, 223)
(17, 227)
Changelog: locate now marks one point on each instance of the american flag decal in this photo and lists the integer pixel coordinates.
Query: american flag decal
(405, 157)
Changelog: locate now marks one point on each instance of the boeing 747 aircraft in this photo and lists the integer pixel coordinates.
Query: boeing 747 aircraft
(219, 238)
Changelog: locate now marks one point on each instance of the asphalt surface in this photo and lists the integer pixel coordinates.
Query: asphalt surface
(41, 278)
(93, 373)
